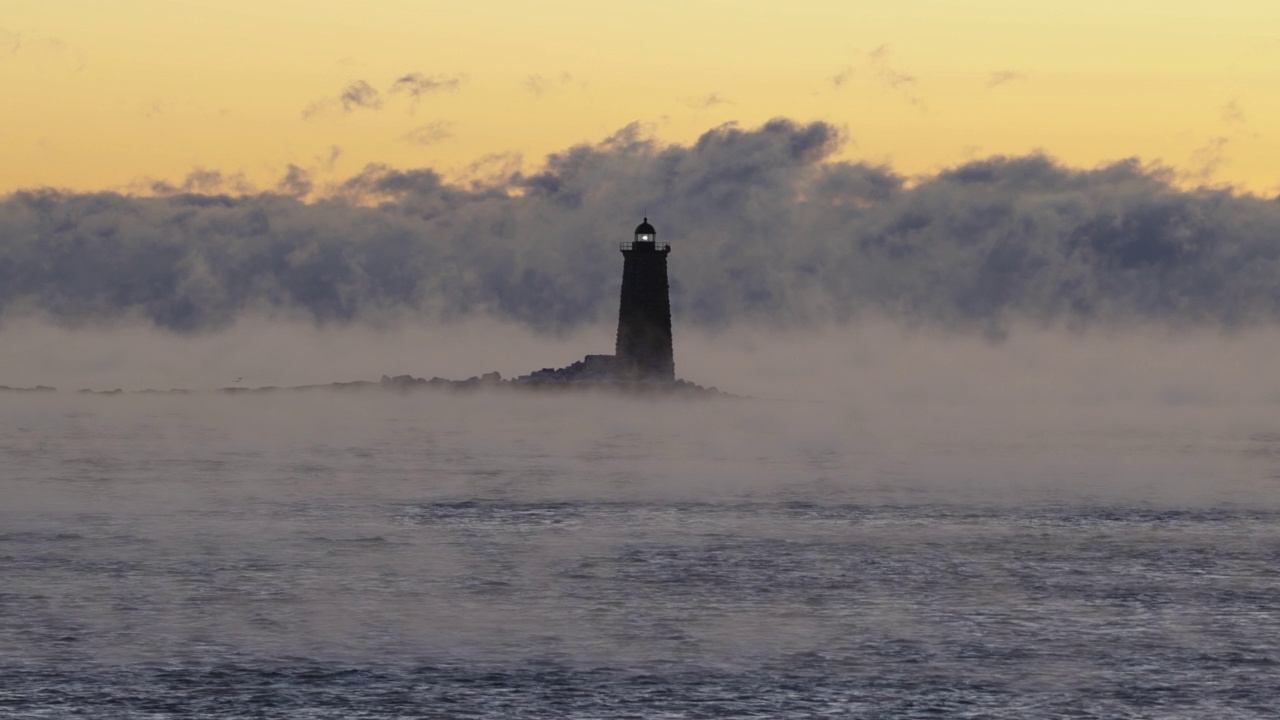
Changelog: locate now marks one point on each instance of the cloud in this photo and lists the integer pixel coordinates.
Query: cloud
(1207, 159)
(296, 182)
(1232, 113)
(876, 65)
(360, 95)
(43, 50)
(356, 95)
(767, 227)
(891, 78)
(331, 159)
(541, 85)
(708, 101)
(204, 181)
(493, 169)
(537, 84)
(429, 134)
(1003, 77)
(416, 85)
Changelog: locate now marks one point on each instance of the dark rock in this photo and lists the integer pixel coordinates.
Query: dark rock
(36, 389)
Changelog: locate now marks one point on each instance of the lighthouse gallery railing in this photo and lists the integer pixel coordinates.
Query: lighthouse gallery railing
(642, 245)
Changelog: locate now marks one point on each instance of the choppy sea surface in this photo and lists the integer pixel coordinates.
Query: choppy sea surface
(369, 556)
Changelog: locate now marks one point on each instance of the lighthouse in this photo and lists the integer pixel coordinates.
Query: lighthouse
(644, 313)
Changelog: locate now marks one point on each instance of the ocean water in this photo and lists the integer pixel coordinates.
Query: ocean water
(321, 555)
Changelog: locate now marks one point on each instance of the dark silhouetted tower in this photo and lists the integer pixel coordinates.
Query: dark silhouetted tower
(644, 315)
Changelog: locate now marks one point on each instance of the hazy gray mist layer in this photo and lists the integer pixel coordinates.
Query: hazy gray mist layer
(766, 227)
(1143, 414)
(508, 527)
(871, 360)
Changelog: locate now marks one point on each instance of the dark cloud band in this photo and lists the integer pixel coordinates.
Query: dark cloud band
(765, 227)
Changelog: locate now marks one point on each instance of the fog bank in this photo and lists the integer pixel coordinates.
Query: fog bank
(767, 229)
(874, 358)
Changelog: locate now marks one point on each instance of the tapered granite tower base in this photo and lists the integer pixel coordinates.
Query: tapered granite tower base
(644, 314)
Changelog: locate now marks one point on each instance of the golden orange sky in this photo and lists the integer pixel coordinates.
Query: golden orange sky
(115, 94)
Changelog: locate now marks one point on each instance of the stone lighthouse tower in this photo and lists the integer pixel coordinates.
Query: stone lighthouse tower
(644, 315)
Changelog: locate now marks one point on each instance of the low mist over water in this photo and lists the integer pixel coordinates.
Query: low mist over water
(899, 521)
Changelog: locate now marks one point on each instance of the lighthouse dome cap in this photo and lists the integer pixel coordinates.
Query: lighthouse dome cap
(645, 228)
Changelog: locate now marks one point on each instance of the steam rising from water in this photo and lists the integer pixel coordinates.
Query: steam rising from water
(902, 521)
(834, 392)
(768, 228)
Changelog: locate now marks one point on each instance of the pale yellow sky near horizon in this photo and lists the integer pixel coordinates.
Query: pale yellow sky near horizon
(115, 94)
